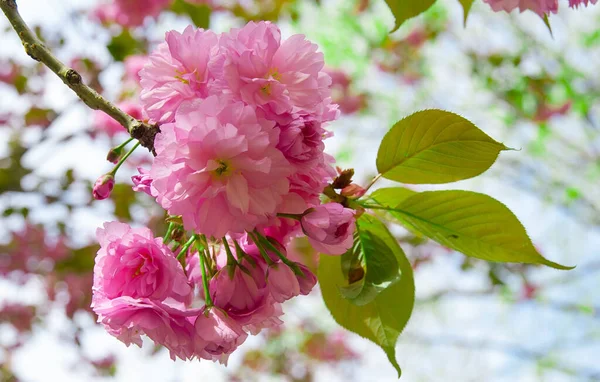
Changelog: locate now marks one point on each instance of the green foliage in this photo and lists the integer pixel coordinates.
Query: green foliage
(472, 223)
(435, 146)
(370, 267)
(406, 9)
(80, 261)
(123, 45)
(383, 318)
(198, 13)
(466, 4)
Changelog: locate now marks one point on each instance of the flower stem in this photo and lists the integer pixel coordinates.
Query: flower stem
(283, 259)
(122, 145)
(260, 248)
(122, 160)
(375, 179)
(207, 299)
(290, 216)
(39, 52)
(230, 259)
(168, 233)
(187, 245)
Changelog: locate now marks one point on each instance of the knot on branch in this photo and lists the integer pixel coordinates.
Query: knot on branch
(145, 134)
(30, 50)
(73, 78)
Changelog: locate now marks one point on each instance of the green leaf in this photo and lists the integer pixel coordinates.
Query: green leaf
(198, 13)
(435, 146)
(547, 23)
(466, 4)
(392, 196)
(383, 319)
(406, 9)
(124, 45)
(474, 224)
(374, 262)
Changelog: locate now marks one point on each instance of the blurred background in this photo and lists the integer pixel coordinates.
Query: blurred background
(473, 320)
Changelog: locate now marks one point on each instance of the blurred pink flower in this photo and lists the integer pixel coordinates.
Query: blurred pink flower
(104, 122)
(577, 3)
(178, 70)
(330, 228)
(131, 262)
(218, 167)
(129, 13)
(133, 65)
(541, 7)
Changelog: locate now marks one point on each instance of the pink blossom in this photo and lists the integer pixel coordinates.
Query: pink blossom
(133, 65)
(577, 3)
(131, 262)
(279, 77)
(103, 187)
(129, 13)
(127, 318)
(219, 335)
(330, 228)
(541, 7)
(282, 282)
(237, 292)
(104, 122)
(301, 142)
(142, 182)
(218, 167)
(309, 183)
(178, 70)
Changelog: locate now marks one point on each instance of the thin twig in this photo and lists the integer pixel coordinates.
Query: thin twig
(36, 49)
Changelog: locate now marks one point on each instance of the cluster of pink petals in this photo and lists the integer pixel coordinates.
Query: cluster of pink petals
(541, 7)
(242, 131)
(577, 3)
(129, 13)
(240, 153)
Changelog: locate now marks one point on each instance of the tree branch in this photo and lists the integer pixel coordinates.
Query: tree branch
(139, 130)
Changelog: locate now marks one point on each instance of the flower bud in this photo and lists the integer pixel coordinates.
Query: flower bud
(329, 228)
(353, 191)
(113, 156)
(103, 187)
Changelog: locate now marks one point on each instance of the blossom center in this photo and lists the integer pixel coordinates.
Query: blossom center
(224, 168)
(266, 90)
(274, 74)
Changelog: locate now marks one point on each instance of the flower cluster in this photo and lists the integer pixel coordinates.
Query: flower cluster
(541, 7)
(240, 167)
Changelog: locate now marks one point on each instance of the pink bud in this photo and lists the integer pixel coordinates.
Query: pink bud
(329, 228)
(282, 282)
(353, 191)
(306, 282)
(103, 187)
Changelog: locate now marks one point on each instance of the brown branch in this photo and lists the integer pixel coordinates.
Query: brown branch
(36, 49)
